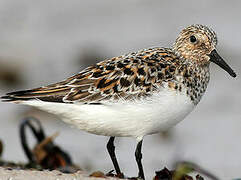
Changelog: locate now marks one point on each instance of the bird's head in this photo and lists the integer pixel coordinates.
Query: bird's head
(198, 44)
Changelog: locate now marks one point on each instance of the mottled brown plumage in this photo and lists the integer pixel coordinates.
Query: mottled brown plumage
(137, 75)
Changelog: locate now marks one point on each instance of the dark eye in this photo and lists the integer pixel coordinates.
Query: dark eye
(193, 39)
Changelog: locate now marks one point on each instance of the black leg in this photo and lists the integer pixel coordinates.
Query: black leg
(138, 160)
(111, 149)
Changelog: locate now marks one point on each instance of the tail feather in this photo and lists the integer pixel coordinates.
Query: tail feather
(53, 95)
(17, 96)
(10, 98)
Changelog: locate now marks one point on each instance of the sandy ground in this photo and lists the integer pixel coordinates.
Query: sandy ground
(6, 174)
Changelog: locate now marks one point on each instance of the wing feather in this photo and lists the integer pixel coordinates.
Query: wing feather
(127, 77)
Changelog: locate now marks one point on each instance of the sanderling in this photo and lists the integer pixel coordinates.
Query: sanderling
(136, 94)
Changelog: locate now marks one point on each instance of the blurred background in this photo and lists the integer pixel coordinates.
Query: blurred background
(42, 42)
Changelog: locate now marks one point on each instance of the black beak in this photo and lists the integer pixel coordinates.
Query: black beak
(214, 57)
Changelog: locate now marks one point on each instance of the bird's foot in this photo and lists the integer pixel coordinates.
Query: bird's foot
(136, 178)
(112, 174)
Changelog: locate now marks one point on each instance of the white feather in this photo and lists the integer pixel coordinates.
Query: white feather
(153, 114)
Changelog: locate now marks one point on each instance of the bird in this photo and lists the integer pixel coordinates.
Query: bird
(136, 94)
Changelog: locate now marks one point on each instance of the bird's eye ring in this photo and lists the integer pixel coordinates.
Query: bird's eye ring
(193, 39)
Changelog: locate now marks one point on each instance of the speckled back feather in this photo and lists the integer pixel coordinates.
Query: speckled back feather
(126, 77)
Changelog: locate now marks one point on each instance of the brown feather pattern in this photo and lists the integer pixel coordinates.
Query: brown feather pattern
(127, 77)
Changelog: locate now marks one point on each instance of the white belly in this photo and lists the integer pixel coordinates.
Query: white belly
(135, 119)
